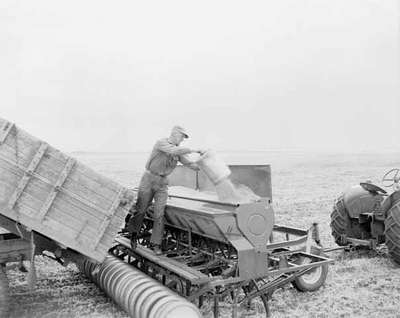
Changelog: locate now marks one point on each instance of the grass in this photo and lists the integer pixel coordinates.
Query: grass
(359, 284)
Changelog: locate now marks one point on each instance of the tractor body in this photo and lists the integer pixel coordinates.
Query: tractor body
(366, 215)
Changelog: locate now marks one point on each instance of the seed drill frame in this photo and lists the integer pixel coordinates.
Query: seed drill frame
(215, 250)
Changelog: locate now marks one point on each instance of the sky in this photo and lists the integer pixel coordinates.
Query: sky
(239, 75)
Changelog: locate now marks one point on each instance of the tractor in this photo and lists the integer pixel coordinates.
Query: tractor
(367, 215)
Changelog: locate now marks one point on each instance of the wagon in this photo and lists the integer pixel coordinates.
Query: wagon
(50, 201)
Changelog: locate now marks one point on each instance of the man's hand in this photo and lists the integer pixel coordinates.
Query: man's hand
(200, 151)
(194, 167)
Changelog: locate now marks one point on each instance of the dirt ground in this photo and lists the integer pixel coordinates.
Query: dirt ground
(359, 283)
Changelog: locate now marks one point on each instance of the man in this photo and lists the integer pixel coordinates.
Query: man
(154, 183)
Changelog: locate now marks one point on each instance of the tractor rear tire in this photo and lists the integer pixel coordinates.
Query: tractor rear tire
(4, 293)
(340, 221)
(392, 232)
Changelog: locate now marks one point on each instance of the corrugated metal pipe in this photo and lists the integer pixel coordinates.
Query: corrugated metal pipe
(138, 294)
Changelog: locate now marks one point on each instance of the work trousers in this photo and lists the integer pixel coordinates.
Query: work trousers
(151, 187)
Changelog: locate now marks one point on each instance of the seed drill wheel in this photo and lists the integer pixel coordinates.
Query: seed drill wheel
(340, 222)
(262, 298)
(4, 294)
(312, 279)
(392, 232)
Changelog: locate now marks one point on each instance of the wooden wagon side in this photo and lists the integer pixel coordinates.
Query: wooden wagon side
(53, 194)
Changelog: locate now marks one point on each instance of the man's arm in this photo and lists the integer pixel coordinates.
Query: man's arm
(165, 146)
(186, 162)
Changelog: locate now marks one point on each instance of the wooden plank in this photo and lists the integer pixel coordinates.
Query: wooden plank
(16, 244)
(28, 174)
(73, 195)
(26, 141)
(11, 160)
(107, 219)
(15, 256)
(76, 208)
(77, 228)
(80, 182)
(49, 201)
(53, 163)
(73, 218)
(62, 204)
(84, 201)
(15, 148)
(39, 190)
(10, 168)
(91, 192)
(51, 229)
(49, 161)
(65, 234)
(116, 224)
(63, 223)
(94, 180)
(35, 194)
(68, 209)
(9, 178)
(50, 169)
(97, 194)
(68, 221)
(5, 130)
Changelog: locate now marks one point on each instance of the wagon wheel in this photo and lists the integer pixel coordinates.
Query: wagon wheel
(313, 279)
(176, 284)
(4, 293)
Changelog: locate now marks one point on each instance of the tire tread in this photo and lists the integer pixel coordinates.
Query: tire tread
(392, 232)
(339, 221)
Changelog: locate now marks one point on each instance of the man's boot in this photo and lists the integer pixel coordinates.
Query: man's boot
(157, 250)
(133, 240)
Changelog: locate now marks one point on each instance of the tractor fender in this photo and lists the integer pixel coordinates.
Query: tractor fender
(357, 200)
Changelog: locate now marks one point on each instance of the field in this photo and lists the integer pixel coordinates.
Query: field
(305, 185)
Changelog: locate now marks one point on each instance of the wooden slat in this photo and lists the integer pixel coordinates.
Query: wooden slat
(64, 208)
(83, 226)
(14, 245)
(28, 174)
(96, 194)
(82, 180)
(69, 222)
(54, 158)
(50, 199)
(107, 219)
(5, 131)
(73, 195)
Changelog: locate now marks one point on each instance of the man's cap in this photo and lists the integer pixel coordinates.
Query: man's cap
(181, 130)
